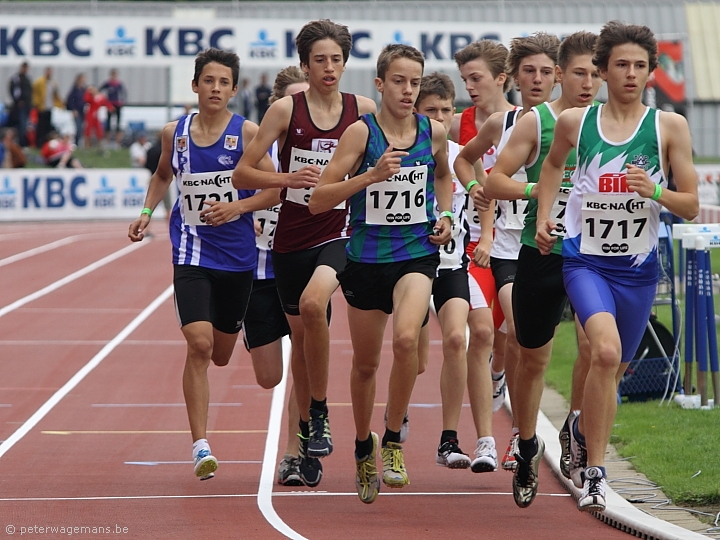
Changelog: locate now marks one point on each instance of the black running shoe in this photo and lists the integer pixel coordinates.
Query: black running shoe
(525, 478)
(310, 468)
(564, 437)
(320, 442)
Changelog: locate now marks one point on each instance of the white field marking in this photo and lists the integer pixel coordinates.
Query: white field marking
(267, 474)
(386, 342)
(70, 278)
(118, 405)
(83, 372)
(95, 342)
(153, 463)
(153, 432)
(40, 249)
(91, 311)
(278, 494)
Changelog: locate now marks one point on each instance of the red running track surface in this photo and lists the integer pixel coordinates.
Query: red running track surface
(113, 454)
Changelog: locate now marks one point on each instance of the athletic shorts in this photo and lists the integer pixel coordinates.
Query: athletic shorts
(370, 286)
(265, 320)
(630, 304)
(216, 296)
(294, 270)
(482, 288)
(503, 271)
(448, 285)
(538, 297)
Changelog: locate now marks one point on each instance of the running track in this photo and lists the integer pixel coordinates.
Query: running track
(95, 431)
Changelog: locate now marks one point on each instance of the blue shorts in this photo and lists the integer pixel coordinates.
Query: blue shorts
(591, 293)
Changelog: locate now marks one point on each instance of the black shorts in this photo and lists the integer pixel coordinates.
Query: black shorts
(538, 297)
(216, 296)
(503, 271)
(265, 320)
(369, 286)
(448, 285)
(294, 270)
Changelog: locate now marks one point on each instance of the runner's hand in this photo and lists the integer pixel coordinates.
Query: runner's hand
(388, 165)
(481, 254)
(136, 232)
(481, 202)
(544, 238)
(638, 181)
(218, 213)
(442, 232)
(306, 177)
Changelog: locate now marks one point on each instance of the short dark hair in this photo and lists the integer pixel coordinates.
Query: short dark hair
(393, 52)
(436, 84)
(225, 58)
(315, 31)
(522, 47)
(617, 33)
(577, 44)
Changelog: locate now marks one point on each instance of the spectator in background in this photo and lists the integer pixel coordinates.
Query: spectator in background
(152, 159)
(95, 100)
(115, 92)
(262, 97)
(14, 157)
(75, 103)
(20, 90)
(45, 96)
(58, 152)
(139, 150)
(246, 99)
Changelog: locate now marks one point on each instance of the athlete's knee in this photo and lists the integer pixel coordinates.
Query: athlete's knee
(534, 362)
(455, 342)
(200, 347)
(481, 333)
(312, 309)
(220, 360)
(606, 356)
(268, 379)
(405, 345)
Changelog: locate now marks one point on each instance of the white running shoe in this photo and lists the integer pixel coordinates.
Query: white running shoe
(205, 464)
(451, 456)
(592, 498)
(499, 389)
(485, 456)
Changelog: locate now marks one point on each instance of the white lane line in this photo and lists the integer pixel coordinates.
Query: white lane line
(114, 405)
(278, 494)
(153, 463)
(267, 476)
(80, 375)
(70, 278)
(40, 249)
(57, 342)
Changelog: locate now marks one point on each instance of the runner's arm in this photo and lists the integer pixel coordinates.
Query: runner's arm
(443, 184)
(514, 155)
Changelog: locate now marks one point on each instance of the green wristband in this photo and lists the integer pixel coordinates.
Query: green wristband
(147, 211)
(658, 192)
(470, 185)
(528, 190)
(448, 214)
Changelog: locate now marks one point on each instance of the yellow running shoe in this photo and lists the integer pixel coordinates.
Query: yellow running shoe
(394, 473)
(366, 475)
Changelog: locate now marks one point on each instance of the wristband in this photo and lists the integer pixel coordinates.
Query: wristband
(658, 191)
(147, 211)
(448, 214)
(470, 185)
(528, 190)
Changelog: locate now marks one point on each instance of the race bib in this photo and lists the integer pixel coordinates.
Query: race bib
(303, 158)
(615, 225)
(399, 200)
(268, 220)
(449, 255)
(557, 212)
(197, 188)
(515, 212)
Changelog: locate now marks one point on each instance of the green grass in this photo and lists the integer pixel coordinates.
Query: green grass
(91, 158)
(668, 444)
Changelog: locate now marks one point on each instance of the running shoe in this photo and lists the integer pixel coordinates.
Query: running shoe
(578, 458)
(288, 473)
(404, 428)
(449, 455)
(485, 457)
(205, 464)
(310, 467)
(367, 481)
(564, 437)
(499, 389)
(508, 462)
(394, 473)
(525, 479)
(592, 497)
(320, 442)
